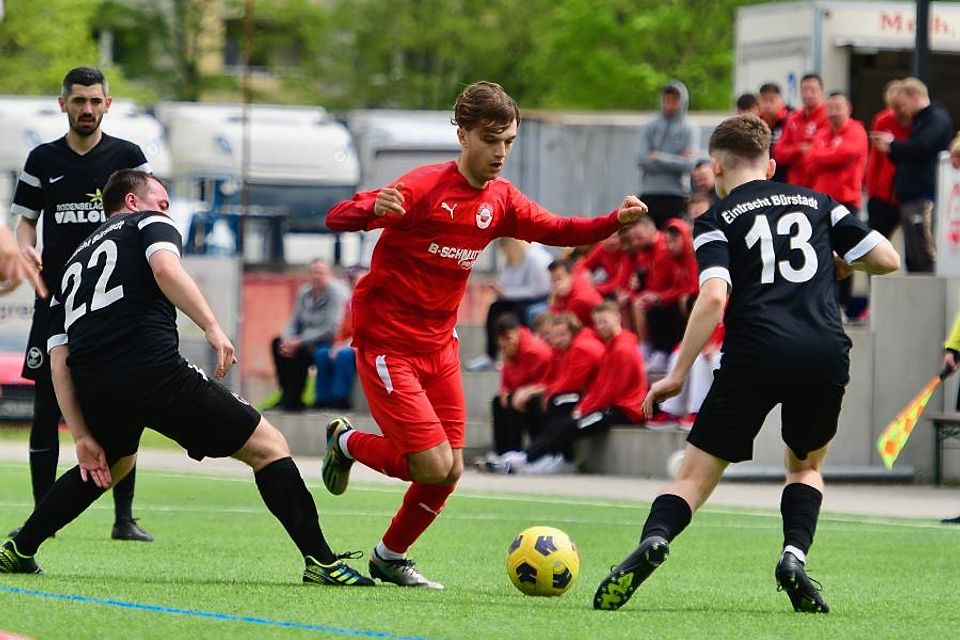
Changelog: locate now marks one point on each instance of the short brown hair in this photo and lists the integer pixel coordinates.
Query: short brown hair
(485, 104)
(607, 306)
(744, 137)
(568, 320)
(121, 183)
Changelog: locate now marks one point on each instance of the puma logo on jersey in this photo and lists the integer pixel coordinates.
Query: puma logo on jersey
(80, 217)
(57, 179)
(449, 208)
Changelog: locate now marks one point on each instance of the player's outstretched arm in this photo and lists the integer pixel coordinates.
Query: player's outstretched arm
(706, 314)
(880, 260)
(90, 455)
(180, 289)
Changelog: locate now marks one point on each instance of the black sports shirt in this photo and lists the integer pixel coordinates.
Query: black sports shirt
(66, 188)
(773, 244)
(108, 307)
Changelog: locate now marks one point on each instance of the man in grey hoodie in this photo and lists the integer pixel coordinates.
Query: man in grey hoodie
(668, 147)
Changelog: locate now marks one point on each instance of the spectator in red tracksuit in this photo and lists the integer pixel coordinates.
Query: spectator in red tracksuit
(882, 208)
(572, 292)
(602, 263)
(615, 397)
(670, 287)
(801, 128)
(527, 361)
(836, 163)
(436, 220)
(774, 112)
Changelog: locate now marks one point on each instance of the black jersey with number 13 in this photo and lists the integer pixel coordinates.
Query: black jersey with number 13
(108, 308)
(773, 243)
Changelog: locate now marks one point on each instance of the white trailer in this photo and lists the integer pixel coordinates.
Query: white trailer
(301, 160)
(855, 46)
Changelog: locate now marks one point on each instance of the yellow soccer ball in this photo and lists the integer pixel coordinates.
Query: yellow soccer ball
(543, 561)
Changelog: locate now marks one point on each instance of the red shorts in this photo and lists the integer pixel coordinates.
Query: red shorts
(417, 401)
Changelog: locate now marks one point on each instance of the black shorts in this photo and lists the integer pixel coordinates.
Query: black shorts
(36, 363)
(200, 415)
(736, 406)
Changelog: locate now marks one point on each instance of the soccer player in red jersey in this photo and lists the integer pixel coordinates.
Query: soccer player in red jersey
(436, 220)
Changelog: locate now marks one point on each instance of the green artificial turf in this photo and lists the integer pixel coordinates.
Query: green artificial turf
(219, 552)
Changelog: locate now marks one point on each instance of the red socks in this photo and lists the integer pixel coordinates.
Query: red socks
(377, 453)
(422, 503)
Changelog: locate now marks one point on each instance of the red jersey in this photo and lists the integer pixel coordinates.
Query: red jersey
(408, 302)
(621, 382)
(574, 369)
(580, 301)
(801, 128)
(605, 261)
(675, 278)
(530, 365)
(837, 160)
(880, 168)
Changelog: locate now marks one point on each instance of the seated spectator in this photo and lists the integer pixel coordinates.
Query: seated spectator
(601, 264)
(336, 363)
(526, 363)
(697, 205)
(748, 103)
(316, 318)
(614, 397)
(681, 410)
(522, 287)
(661, 306)
(703, 181)
(572, 292)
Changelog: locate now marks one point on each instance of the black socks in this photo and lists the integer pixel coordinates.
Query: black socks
(286, 496)
(669, 515)
(68, 498)
(800, 508)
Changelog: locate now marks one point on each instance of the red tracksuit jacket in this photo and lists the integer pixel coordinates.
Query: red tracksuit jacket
(880, 167)
(837, 160)
(574, 370)
(800, 128)
(530, 365)
(621, 381)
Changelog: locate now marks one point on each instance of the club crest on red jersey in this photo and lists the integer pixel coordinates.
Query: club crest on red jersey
(484, 215)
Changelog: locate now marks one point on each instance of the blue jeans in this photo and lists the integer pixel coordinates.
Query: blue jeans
(334, 375)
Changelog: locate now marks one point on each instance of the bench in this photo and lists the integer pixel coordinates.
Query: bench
(946, 435)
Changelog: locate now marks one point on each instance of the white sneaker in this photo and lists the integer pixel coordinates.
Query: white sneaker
(549, 465)
(480, 363)
(508, 462)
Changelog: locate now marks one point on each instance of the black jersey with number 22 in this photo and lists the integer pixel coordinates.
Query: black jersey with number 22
(773, 243)
(108, 307)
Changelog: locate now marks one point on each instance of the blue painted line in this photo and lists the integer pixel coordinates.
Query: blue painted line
(213, 615)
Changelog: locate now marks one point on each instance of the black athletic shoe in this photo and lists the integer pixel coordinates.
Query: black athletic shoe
(12, 562)
(129, 530)
(951, 520)
(803, 592)
(616, 588)
(337, 573)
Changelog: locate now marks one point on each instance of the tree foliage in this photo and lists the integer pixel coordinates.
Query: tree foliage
(571, 54)
(38, 44)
